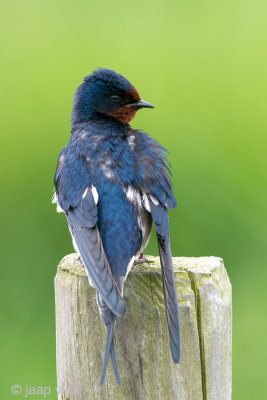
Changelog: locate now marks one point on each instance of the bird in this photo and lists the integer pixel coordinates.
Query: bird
(112, 182)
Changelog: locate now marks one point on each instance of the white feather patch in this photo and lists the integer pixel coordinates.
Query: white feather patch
(131, 141)
(133, 196)
(141, 225)
(155, 201)
(95, 194)
(146, 202)
(54, 198)
(85, 193)
(109, 174)
(129, 266)
(55, 201)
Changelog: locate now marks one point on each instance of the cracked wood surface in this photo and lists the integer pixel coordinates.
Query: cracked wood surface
(144, 359)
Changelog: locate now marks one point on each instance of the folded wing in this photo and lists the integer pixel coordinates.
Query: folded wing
(82, 222)
(160, 216)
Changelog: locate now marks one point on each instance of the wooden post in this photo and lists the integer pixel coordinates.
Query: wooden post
(145, 365)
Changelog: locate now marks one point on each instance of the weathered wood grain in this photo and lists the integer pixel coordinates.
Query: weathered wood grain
(145, 364)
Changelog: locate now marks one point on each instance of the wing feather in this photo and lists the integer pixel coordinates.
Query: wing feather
(82, 223)
(160, 216)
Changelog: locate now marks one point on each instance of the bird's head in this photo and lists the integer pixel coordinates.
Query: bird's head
(107, 93)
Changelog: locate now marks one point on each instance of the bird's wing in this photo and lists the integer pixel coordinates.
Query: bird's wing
(75, 196)
(160, 216)
(152, 178)
(82, 222)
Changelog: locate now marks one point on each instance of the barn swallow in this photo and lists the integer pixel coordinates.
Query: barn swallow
(112, 182)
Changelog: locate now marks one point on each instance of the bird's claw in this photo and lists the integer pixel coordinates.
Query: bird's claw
(79, 259)
(141, 260)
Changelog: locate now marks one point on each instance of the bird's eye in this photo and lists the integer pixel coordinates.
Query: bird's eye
(115, 98)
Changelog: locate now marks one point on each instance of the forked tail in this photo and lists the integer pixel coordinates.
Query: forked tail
(110, 350)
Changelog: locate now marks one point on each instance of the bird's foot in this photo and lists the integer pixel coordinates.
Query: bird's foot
(141, 259)
(79, 259)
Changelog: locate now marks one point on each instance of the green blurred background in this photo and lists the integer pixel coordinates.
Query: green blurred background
(204, 65)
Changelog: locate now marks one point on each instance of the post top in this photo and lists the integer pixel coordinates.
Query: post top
(72, 264)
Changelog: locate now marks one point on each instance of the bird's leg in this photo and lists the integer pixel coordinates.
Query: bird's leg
(80, 259)
(141, 259)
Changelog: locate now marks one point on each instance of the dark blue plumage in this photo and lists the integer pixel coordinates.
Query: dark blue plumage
(111, 181)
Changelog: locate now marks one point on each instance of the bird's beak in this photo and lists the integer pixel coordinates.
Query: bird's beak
(141, 104)
(144, 104)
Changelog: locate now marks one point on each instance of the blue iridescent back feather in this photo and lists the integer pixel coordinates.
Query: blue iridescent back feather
(145, 167)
